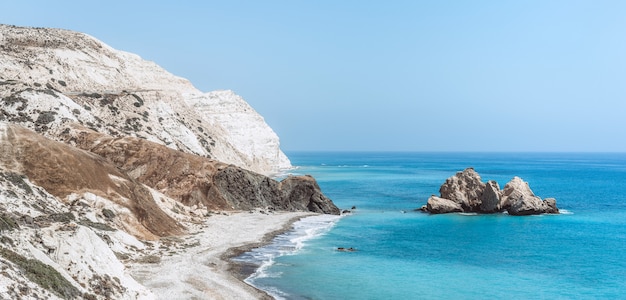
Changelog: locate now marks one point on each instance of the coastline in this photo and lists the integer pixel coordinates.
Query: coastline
(240, 270)
(205, 270)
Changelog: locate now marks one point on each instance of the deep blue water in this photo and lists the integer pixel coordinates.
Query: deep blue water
(580, 254)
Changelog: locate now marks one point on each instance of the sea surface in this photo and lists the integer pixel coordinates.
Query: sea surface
(406, 254)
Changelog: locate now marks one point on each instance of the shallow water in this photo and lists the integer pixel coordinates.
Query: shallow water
(411, 255)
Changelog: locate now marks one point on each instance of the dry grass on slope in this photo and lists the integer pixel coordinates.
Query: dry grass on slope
(63, 170)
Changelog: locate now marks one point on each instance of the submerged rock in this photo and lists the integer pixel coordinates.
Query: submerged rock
(465, 192)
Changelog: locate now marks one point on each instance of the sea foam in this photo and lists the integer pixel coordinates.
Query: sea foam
(288, 243)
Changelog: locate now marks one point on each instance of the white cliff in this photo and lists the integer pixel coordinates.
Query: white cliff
(230, 111)
(49, 77)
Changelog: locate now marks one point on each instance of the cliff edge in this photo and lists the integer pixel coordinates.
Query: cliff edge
(108, 161)
(52, 76)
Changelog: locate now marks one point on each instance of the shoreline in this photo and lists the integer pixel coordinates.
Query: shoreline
(205, 270)
(240, 270)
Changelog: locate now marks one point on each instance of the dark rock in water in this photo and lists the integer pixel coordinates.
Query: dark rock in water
(465, 192)
(345, 211)
(342, 249)
(303, 193)
(551, 206)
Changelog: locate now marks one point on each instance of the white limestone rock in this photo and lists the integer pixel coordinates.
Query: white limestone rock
(464, 188)
(244, 127)
(518, 199)
(438, 205)
(465, 192)
(49, 77)
(490, 198)
(515, 190)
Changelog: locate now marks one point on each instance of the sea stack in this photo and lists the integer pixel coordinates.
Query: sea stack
(465, 192)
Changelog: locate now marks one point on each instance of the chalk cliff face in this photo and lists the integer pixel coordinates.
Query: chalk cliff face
(106, 159)
(49, 77)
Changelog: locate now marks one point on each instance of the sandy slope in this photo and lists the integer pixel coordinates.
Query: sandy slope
(201, 272)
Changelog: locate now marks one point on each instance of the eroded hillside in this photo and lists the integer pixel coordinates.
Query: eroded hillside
(108, 160)
(51, 76)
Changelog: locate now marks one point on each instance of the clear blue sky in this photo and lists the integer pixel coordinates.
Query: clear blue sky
(386, 75)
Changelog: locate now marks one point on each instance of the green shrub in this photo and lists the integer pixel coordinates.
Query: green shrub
(107, 213)
(17, 180)
(6, 240)
(45, 117)
(96, 225)
(43, 275)
(150, 259)
(62, 217)
(7, 223)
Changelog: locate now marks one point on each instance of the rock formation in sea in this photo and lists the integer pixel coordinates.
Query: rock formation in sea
(465, 192)
(103, 154)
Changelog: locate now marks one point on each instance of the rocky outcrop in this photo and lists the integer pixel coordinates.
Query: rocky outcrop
(464, 188)
(519, 199)
(490, 198)
(118, 169)
(194, 180)
(51, 77)
(303, 193)
(438, 205)
(465, 192)
(551, 206)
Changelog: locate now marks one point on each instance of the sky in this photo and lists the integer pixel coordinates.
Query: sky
(386, 75)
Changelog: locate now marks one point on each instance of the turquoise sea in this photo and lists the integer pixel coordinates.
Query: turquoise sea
(404, 254)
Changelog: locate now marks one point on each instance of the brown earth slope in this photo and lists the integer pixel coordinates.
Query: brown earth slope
(195, 180)
(63, 170)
